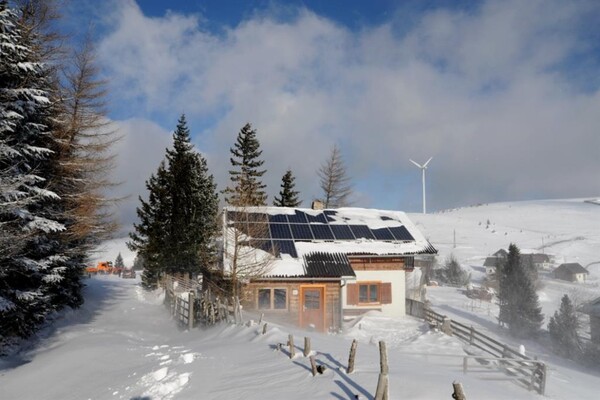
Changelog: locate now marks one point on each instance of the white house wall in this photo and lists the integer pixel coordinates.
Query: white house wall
(397, 278)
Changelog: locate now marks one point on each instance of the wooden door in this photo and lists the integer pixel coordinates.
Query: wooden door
(312, 309)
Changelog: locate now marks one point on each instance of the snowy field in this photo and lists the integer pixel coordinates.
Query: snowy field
(122, 343)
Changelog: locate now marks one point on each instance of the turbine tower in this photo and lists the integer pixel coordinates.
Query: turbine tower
(423, 168)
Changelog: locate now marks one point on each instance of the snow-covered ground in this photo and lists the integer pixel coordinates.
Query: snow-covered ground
(122, 343)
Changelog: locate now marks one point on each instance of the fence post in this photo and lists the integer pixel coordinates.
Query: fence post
(264, 328)
(465, 364)
(543, 382)
(313, 365)
(447, 326)
(472, 335)
(291, 343)
(191, 310)
(382, 392)
(459, 393)
(352, 356)
(306, 346)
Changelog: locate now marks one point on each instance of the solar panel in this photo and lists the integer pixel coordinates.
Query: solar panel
(401, 233)
(301, 232)
(341, 232)
(361, 231)
(278, 218)
(280, 231)
(382, 234)
(286, 246)
(265, 245)
(319, 218)
(298, 218)
(321, 232)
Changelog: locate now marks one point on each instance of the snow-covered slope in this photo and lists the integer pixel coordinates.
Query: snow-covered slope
(122, 344)
(569, 230)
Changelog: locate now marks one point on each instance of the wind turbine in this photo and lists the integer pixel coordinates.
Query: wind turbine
(423, 168)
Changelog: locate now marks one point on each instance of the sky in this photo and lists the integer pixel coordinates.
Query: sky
(504, 95)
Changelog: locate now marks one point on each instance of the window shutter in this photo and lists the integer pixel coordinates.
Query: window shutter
(386, 293)
(352, 294)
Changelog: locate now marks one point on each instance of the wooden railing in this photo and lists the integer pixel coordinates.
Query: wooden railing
(532, 373)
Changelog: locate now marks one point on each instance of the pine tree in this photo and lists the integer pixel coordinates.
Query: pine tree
(119, 261)
(334, 181)
(563, 327)
(194, 203)
(29, 208)
(178, 222)
(453, 273)
(246, 188)
(288, 197)
(149, 236)
(519, 303)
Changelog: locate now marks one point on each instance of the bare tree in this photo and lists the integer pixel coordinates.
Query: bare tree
(246, 250)
(84, 149)
(334, 181)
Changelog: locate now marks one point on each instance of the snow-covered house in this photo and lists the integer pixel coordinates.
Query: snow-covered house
(538, 260)
(323, 265)
(503, 254)
(490, 264)
(572, 272)
(593, 310)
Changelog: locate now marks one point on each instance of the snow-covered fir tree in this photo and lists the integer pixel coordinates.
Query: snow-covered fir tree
(563, 327)
(29, 208)
(246, 187)
(288, 197)
(519, 303)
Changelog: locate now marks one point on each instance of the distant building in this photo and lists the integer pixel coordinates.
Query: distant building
(572, 272)
(593, 310)
(503, 254)
(538, 260)
(491, 264)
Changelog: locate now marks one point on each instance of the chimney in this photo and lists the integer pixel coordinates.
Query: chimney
(317, 205)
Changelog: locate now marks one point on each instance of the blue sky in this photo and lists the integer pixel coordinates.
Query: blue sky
(504, 95)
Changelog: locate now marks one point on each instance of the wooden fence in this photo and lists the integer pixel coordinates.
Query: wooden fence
(532, 373)
(191, 306)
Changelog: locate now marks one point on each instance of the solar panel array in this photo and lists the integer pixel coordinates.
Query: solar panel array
(278, 232)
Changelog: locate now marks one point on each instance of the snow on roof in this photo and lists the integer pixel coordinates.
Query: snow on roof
(572, 268)
(292, 265)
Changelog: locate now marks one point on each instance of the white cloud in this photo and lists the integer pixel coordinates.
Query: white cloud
(483, 92)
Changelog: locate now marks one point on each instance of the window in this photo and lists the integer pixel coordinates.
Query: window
(272, 299)
(264, 299)
(368, 293)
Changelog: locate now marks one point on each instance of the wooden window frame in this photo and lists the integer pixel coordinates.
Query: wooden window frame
(272, 299)
(368, 284)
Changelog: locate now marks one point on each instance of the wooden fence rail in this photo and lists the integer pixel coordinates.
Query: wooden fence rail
(531, 373)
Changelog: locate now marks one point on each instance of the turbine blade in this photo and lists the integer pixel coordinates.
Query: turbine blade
(425, 165)
(415, 163)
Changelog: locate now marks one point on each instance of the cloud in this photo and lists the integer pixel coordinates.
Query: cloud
(484, 91)
(138, 155)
